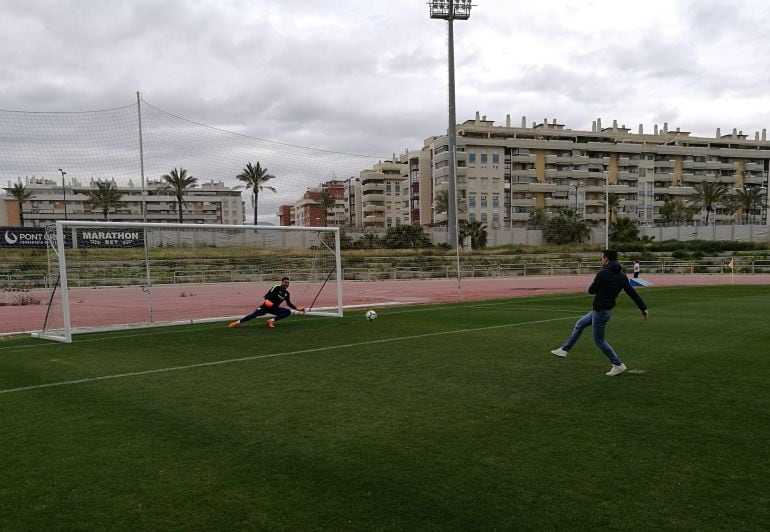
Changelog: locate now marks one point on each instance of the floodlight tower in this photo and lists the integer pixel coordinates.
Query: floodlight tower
(451, 10)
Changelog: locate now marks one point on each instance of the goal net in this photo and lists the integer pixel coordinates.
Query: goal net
(113, 276)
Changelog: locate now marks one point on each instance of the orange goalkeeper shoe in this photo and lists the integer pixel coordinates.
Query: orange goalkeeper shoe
(234, 324)
(271, 323)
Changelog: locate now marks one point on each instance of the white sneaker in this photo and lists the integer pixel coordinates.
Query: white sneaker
(617, 370)
(559, 352)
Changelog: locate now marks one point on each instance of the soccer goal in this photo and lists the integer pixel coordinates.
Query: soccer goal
(114, 275)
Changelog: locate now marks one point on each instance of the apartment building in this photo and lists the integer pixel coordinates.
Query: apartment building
(309, 211)
(211, 203)
(505, 172)
(384, 195)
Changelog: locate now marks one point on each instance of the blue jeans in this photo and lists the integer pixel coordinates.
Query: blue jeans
(598, 320)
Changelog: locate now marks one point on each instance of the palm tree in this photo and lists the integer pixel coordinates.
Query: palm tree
(442, 202)
(178, 181)
(20, 193)
(566, 227)
(624, 230)
(675, 211)
(730, 204)
(105, 197)
(706, 195)
(255, 177)
(327, 201)
(476, 231)
(613, 202)
(749, 200)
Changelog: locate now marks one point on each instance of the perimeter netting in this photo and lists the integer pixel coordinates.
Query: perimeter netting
(111, 276)
(134, 146)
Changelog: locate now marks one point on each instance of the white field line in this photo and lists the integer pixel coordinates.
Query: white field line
(271, 355)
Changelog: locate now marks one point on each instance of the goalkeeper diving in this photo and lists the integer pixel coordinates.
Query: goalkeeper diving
(272, 305)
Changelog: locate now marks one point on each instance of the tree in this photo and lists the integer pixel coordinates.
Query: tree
(537, 218)
(674, 211)
(730, 204)
(20, 193)
(566, 227)
(624, 230)
(442, 202)
(255, 177)
(406, 236)
(476, 231)
(369, 241)
(749, 200)
(105, 197)
(328, 202)
(613, 202)
(706, 195)
(178, 181)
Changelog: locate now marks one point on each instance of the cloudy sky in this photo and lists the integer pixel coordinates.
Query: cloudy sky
(369, 77)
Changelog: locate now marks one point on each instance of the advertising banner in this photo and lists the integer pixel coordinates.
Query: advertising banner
(22, 237)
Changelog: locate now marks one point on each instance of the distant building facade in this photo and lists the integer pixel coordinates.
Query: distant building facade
(210, 203)
(505, 173)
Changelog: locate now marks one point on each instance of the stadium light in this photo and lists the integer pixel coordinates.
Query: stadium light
(451, 10)
(64, 191)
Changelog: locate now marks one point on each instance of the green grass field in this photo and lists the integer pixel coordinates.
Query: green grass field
(450, 417)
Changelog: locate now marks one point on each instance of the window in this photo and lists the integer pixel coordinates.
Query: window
(484, 182)
(495, 160)
(398, 188)
(472, 217)
(387, 188)
(472, 159)
(471, 201)
(483, 201)
(483, 217)
(496, 220)
(495, 201)
(483, 160)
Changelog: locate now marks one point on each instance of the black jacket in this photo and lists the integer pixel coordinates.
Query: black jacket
(607, 285)
(278, 294)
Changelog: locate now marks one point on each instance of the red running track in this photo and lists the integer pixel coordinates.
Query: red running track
(110, 306)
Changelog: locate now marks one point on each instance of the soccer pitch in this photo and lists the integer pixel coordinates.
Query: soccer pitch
(434, 417)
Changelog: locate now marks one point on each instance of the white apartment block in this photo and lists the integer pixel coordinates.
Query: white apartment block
(506, 172)
(211, 203)
(384, 196)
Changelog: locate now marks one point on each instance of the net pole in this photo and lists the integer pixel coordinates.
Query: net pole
(148, 282)
(63, 280)
(338, 263)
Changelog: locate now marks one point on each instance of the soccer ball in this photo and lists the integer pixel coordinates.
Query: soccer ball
(371, 315)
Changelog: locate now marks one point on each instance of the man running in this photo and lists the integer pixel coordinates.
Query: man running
(606, 286)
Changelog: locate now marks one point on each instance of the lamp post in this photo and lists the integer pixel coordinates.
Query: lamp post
(607, 210)
(451, 10)
(64, 191)
(351, 201)
(577, 187)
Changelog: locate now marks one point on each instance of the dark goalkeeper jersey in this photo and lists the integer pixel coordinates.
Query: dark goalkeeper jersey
(277, 295)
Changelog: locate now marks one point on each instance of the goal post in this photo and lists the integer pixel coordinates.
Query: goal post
(116, 275)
